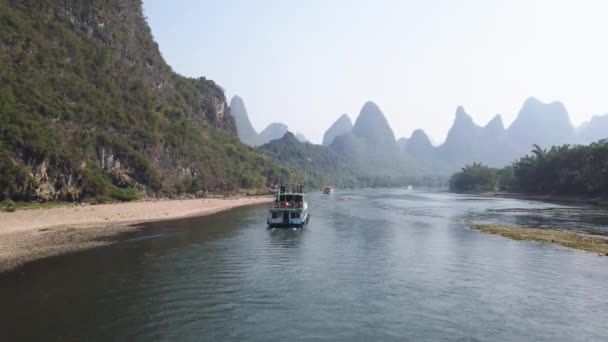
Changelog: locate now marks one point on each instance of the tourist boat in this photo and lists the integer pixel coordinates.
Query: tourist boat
(289, 208)
(327, 190)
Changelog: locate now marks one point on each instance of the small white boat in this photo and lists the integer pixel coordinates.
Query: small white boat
(290, 209)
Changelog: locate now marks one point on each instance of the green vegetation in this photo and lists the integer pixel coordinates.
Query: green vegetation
(586, 242)
(316, 165)
(312, 165)
(579, 170)
(89, 109)
(474, 178)
(8, 206)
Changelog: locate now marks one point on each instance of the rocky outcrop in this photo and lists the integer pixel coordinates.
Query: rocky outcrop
(342, 126)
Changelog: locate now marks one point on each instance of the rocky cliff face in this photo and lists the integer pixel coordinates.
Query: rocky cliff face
(342, 126)
(88, 107)
(247, 134)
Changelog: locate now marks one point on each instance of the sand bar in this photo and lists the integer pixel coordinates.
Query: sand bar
(32, 234)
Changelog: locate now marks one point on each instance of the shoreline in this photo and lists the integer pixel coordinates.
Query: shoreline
(33, 234)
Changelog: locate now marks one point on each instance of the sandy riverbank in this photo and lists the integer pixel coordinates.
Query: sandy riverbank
(28, 235)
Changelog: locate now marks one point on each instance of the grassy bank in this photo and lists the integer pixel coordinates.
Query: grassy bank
(586, 242)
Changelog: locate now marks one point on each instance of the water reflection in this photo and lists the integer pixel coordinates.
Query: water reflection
(372, 265)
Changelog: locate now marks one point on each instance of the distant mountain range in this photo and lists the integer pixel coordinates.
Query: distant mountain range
(248, 135)
(370, 148)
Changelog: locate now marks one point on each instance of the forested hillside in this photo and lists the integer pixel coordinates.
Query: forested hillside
(579, 170)
(89, 109)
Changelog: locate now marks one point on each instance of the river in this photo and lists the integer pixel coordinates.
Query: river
(372, 265)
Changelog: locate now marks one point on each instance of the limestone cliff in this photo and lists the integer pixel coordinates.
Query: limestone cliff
(89, 108)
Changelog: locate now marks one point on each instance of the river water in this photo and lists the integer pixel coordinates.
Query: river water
(372, 265)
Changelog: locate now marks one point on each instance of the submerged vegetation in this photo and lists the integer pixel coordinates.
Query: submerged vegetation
(586, 242)
(579, 170)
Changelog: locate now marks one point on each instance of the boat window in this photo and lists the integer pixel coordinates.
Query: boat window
(295, 215)
(274, 215)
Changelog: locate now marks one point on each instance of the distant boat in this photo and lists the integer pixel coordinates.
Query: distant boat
(409, 187)
(328, 190)
(290, 209)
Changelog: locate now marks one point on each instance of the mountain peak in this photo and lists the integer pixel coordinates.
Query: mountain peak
(342, 126)
(419, 145)
(420, 135)
(463, 119)
(275, 130)
(245, 131)
(301, 137)
(534, 106)
(371, 124)
(545, 124)
(237, 100)
(496, 124)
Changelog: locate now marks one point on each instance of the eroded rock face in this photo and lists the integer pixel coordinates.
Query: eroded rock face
(51, 182)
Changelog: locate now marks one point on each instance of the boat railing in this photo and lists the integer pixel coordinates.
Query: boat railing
(284, 189)
(285, 205)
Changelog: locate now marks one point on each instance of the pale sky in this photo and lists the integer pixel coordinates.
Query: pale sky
(305, 62)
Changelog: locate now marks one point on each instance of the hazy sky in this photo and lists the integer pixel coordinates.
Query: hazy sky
(306, 62)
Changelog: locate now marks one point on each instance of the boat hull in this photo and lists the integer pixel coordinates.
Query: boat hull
(302, 224)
